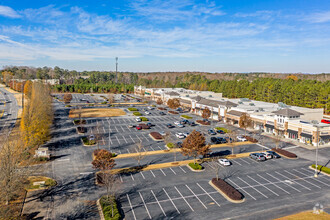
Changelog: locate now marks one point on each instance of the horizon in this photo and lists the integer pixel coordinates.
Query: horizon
(156, 36)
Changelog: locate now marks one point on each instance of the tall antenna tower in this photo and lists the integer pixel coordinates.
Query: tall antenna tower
(116, 70)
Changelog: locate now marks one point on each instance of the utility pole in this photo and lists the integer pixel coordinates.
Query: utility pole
(116, 70)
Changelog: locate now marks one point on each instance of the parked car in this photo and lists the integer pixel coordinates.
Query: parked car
(149, 124)
(187, 134)
(241, 138)
(162, 113)
(184, 121)
(257, 156)
(151, 108)
(267, 155)
(192, 123)
(138, 119)
(211, 132)
(147, 113)
(222, 140)
(220, 132)
(169, 125)
(138, 127)
(180, 135)
(214, 140)
(180, 125)
(224, 162)
(82, 100)
(177, 123)
(179, 144)
(131, 126)
(274, 154)
(91, 137)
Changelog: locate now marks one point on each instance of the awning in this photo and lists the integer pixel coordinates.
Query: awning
(306, 135)
(292, 131)
(269, 126)
(325, 137)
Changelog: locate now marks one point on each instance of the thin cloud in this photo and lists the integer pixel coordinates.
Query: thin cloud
(320, 17)
(8, 12)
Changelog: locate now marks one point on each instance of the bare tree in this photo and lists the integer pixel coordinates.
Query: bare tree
(232, 139)
(245, 121)
(112, 184)
(206, 113)
(215, 167)
(79, 113)
(111, 98)
(159, 101)
(97, 134)
(168, 139)
(140, 153)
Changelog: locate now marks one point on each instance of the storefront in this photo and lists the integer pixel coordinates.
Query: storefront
(292, 134)
(306, 138)
(269, 128)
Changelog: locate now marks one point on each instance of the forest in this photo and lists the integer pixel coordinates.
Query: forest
(305, 90)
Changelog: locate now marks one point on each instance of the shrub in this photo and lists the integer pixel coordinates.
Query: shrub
(103, 103)
(81, 129)
(137, 113)
(68, 106)
(227, 189)
(153, 106)
(322, 168)
(251, 139)
(224, 129)
(107, 209)
(186, 117)
(284, 153)
(156, 135)
(50, 182)
(170, 145)
(77, 121)
(90, 104)
(144, 119)
(132, 109)
(173, 112)
(195, 166)
(92, 94)
(88, 142)
(203, 122)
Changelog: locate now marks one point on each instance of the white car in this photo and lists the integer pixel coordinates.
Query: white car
(138, 119)
(147, 113)
(177, 123)
(5, 114)
(162, 133)
(149, 107)
(267, 155)
(180, 135)
(241, 138)
(224, 162)
(180, 125)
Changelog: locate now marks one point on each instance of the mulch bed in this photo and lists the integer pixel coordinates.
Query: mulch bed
(227, 189)
(156, 135)
(203, 122)
(160, 108)
(253, 140)
(173, 112)
(144, 126)
(285, 153)
(81, 129)
(77, 122)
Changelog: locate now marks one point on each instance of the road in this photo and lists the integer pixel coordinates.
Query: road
(10, 107)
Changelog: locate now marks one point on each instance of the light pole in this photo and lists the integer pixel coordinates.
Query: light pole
(317, 148)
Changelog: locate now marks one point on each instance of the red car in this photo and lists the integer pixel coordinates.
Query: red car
(138, 127)
(325, 121)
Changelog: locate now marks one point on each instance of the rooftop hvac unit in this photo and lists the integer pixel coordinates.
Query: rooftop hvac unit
(251, 104)
(245, 99)
(240, 102)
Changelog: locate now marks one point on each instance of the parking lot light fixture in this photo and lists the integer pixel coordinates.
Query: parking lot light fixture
(317, 125)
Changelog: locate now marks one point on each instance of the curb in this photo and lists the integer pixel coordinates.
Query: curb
(155, 139)
(224, 195)
(197, 171)
(286, 156)
(99, 207)
(310, 167)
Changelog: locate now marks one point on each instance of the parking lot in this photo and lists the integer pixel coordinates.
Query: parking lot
(199, 196)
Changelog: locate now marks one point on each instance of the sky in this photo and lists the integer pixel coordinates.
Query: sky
(169, 35)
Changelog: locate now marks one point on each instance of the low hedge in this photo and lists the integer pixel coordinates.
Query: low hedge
(284, 153)
(144, 119)
(186, 117)
(173, 112)
(103, 103)
(156, 135)
(322, 168)
(90, 104)
(153, 106)
(195, 166)
(88, 142)
(224, 129)
(161, 108)
(68, 106)
(77, 121)
(227, 189)
(107, 208)
(137, 113)
(170, 145)
(251, 139)
(132, 109)
(203, 122)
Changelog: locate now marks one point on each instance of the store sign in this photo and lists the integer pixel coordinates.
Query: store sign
(307, 132)
(270, 122)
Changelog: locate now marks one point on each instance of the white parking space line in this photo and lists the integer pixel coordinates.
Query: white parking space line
(162, 172)
(117, 139)
(318, 177)
(138, 138)
(241, 189)
(243, 160)
(103, 141)
(196, 196)
(159, 147)
(130, 204)
(263, 146)
(172, 170)
(128, 151)
(236, 162)
(184, 199)
(308, 176)
(131, 138)
(182, 169)
(153, 173)
(125, 139)
(273, 184)
(103, 129)
(142, 175)
(145, 206)
(252, 187)
(158, 202)
(293, 180)
(171, 201)
(152, 148)
(303, 179)
(116, 129)
(283, 182)
(121, 179)
(263, 186)
(208, 195)
(132, 177)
